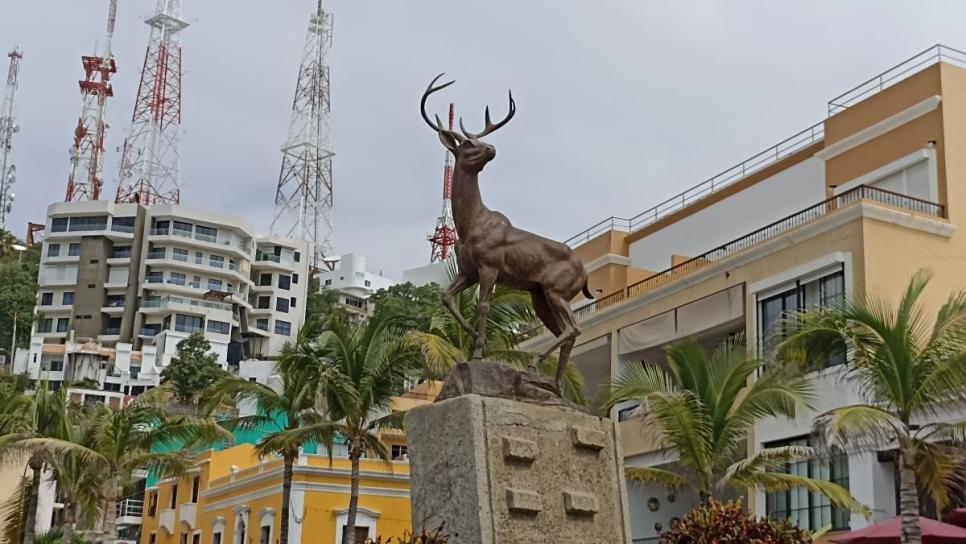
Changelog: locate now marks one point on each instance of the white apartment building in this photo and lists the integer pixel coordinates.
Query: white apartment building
(120, 285)
(354, 283)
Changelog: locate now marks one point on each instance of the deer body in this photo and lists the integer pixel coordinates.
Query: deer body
(491, 251)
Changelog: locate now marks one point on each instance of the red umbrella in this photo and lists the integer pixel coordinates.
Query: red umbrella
(889, 532)
(958, 517)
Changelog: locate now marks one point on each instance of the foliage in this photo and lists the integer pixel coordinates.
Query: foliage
(320, 306)
(907, 367)
(704, 409)
(18, 275)
(194, 370)
(55, 536)
(715, 522)
(435, 536)
(413, 307)
(13, 383)
(13, 512)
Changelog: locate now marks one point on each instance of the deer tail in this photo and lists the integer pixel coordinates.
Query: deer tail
(586, 291)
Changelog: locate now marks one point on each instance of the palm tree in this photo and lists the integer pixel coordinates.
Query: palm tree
(293, 407)
(704, 408)
(129, 440)
(368, 364)
(907, 367)
(446, 343)
(81, 490)
(29, 423)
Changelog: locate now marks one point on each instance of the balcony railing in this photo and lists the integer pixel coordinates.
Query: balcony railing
(826, 207)
(648, 540)
(208, 238)
(271, 257)
(164, 301)
(133, 508)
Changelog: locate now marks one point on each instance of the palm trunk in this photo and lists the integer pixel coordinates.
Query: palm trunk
(286, 497)
(70, 523)
(349, 536)
(30, 524)
(908, 497)
(110, 512)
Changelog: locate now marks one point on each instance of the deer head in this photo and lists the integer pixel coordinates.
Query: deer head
(469, 151)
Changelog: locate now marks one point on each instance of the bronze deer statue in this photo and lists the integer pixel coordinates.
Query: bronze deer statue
(491, 251)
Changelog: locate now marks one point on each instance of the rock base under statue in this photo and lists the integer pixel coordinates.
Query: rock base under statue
(489, 379)
(501, 471)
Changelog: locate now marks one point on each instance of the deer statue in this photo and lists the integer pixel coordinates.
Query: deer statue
(490, 251)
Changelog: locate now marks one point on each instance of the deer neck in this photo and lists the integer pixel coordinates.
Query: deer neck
(467, 202)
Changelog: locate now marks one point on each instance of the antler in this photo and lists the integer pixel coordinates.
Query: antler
(438, 125)
(490, 127)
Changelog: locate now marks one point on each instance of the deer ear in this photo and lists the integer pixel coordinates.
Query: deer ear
(449, 140)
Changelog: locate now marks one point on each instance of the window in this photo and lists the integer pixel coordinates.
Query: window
(265, 280)
(161, 226)
(208, 234)
(196, 538)
(264, 302)
(174, 496)
(123, 224)
(157, 253)
(281, 305)
(46, 299)
(283, 328)
(95, 261)
(115, 301)
(155, 277)
(291, 302)
(807, 510)
(216, 261)
(219, 327)
(113, 326)
(265, 534)
(362, 534)
(328, 282)
(195, 486)
(912, 180)
(120, 252)
(53, 250)
(177, 278)
(68, 298)
(354, 302)
(188, 323)
(284, 282)
(73, 250)
(180, 255)
(399, 452)
(214, 285)
(62, 324)
(153, 505)
(295, 278)
(261, 324)
(184, 536)
(52, 366)
(368, 283)
(87, 224)
(153, 539)
(182, 228)
(216, 538)
(298, 257)
(58, 224)
(812, 295)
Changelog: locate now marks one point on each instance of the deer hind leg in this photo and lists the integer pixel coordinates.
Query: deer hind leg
(460, 282)
(542, 308)
(487, 283)
(568, 334)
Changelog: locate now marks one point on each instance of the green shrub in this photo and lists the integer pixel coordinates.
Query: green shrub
(424, 537)
(717, 522)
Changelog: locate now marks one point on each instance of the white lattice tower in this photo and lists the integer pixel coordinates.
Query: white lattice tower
(151, 160)
(8, 127)
(85, 177)
(303, 199)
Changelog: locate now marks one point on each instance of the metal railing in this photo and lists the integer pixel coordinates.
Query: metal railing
(130, 508)
(267, 257)
(933, 55)
(711, 185)
(862, 192)
(163, 301)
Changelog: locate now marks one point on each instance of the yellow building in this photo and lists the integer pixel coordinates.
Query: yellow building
(857, 202)
(233, 497)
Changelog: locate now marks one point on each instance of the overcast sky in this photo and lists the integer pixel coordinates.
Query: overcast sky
(620, 103)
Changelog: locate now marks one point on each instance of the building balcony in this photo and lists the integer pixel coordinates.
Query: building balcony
(129, 512)
(270, 261)
(188, 514)
(55, 308)
(862, 200)
(201, 240)
(181, 262)
(170, 303)
(166, 520)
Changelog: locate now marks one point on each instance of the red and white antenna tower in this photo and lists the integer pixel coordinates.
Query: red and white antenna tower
(151, 160)
(87, 153)
(303, 199)
(8, 127)
(444, 237)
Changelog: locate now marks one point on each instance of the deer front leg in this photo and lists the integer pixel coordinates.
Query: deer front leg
(487, 283)
(460, 282)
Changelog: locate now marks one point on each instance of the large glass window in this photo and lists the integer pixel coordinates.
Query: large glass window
(262, 324)
(180, 254)
(283, 328)
(155, 277)
(215, 285)
(45, 325)
(86, 224)
(59, 224)
(284, 282)
(123, 224)
(912, 180)
(219, 327)
(46, 299)
(73, 250)
(188, 323)
(53, 250)
(265, 280)
(216, 261)
(808, 510)
(120, 252)
(177, 278)
(811, 295)
(62, 324)
(68, 298)
(182, 228)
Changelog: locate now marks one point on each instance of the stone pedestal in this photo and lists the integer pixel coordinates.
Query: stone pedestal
(501, 471)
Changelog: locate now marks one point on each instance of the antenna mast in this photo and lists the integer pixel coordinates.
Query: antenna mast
(8, 127)
(303, 199)
(444, 238)
(151, 160)
(87, 152)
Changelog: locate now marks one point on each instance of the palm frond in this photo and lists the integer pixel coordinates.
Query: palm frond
(939, 468)
(858, 427)
(653, 475)
(780, 481)
(768, 459)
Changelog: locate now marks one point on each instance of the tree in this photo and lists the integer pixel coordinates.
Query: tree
(321, 304)
(367, 365)
(194, 370)
(294, 406)
(705, 407)
(907, 367)
(444, 342)
(413, 307)
(81, 489)
(18, 275)
(715, 522)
